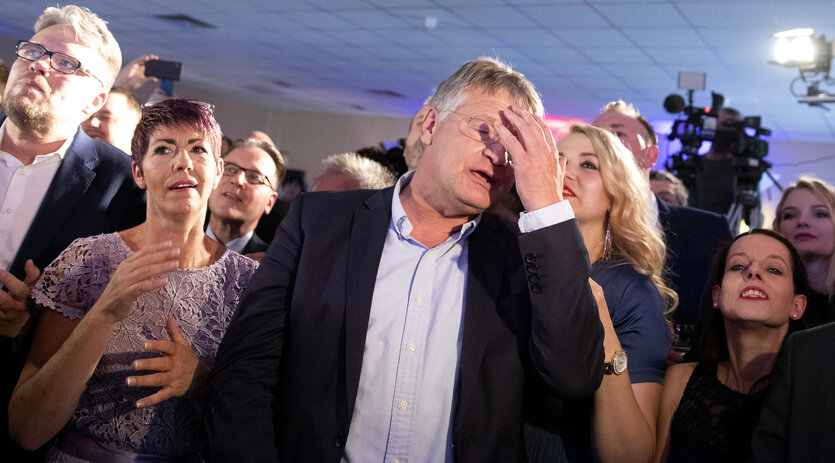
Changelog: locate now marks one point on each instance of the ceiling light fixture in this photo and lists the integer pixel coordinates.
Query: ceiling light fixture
(812, 56)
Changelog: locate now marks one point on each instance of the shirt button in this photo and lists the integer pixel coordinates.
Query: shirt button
(412, 347)
(403, 404)
(396, 461)
(7, 211)
(419, 300)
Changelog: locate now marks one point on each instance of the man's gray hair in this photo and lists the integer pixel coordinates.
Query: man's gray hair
(488, 74)
(370, 174)
(90, 30)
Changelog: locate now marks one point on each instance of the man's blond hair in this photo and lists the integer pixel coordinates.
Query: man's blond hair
(628, 109)
(90, 30)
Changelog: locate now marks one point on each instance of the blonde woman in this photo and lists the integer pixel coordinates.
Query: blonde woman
(609, 196)
(804, 216)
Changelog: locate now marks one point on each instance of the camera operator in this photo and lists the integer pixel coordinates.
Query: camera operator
(716, 178)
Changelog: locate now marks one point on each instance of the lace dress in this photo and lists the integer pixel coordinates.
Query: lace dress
(201, 300)
(712, 423)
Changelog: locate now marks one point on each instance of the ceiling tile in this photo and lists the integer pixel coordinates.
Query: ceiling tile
(487, 16)
(567, 15)
(617, 55)
(726, 13)
(651, 14)
(593, 36)
(664, 36)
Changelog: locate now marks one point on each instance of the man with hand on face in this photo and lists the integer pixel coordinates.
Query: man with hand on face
(252, 172)
(406, 324)
(56, 183)
(115, 122)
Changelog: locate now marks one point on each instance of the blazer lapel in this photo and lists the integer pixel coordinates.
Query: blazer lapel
(73, 177)
(484, 277)
(365, 249)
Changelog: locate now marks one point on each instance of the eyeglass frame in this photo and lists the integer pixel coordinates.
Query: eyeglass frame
(210, 108)
(508, 161)
(245, 171)
(50, 54)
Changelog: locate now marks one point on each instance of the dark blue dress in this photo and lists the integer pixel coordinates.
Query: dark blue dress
(560, 430)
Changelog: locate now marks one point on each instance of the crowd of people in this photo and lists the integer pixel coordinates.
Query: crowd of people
(504, 296)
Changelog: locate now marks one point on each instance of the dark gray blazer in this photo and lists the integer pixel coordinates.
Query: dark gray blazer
(798, 418)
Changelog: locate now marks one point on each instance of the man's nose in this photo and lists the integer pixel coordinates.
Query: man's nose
(497, 154)
(40, 65)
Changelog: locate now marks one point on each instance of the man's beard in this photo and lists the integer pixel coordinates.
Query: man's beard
(36, 117)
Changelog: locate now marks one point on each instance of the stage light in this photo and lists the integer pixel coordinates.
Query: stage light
(812, 56)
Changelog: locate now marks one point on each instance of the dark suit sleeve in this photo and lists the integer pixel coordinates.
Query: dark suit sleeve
(242, 384)
(566, 344)
(770, 442)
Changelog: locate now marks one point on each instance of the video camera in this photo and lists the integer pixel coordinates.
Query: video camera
(701, 124)
(740, 138)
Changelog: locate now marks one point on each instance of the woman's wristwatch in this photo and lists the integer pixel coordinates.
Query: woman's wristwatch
(617, 365)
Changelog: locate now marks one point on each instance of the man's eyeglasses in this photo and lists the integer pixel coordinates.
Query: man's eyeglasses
(253, 177)
(61, 62)
(480, 130)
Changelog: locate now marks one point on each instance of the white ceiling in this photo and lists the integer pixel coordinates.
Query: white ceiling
(329, 55)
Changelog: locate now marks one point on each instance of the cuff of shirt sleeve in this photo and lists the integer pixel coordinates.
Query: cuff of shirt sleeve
(545, 217)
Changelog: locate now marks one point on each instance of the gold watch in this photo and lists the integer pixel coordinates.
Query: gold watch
(617, 365)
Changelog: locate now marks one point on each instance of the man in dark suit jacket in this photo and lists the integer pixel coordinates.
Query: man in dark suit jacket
(58, 184)
(406, 315)
(798, 415)
(252, 173)
(692, 236)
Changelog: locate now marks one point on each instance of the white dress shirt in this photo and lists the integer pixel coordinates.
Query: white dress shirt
(406, 395)
(22, 189)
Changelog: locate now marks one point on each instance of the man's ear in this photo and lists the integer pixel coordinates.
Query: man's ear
(430, 123)
(650, 156)
(96, 103)
(218, 172)
(137, 175)
(270, 203)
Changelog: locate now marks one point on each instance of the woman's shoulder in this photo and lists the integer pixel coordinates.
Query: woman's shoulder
(619, 279)
(617, 269)
(675, 381)
(83, 252)
(235, 266)
(75, 279)
(678, 374)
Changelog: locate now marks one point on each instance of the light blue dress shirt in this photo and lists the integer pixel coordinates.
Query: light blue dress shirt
(237, 245)
(405, 399)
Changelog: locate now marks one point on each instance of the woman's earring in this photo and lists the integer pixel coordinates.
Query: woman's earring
(607, 240)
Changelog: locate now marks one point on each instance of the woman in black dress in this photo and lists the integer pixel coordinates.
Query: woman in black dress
(709, 409)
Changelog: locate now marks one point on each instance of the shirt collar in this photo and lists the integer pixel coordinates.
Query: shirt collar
(403, 226)
(237, 245)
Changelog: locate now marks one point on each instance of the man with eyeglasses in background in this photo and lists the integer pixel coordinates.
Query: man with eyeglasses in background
(252, 172)
(56, 183)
